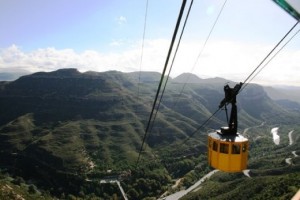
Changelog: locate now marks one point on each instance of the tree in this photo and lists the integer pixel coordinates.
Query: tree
(32, 189)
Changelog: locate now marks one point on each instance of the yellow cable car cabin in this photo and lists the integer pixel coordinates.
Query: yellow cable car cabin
(227, 149)
(227, 153)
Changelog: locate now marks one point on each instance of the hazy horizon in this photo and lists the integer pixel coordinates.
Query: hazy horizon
(104, 35)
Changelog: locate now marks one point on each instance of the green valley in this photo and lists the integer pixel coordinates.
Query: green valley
(66, 134)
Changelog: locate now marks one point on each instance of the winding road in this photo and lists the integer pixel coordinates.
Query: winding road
(181, 193)
(291, 141)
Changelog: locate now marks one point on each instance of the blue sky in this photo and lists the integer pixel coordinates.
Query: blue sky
(101, 35)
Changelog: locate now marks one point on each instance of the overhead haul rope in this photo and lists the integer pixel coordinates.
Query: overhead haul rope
(201, 52)
(162, 77)
(170, 69)
(275, 54)
(244, 83)
(142, 51)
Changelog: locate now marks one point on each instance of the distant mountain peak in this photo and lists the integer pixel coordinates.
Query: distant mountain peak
(60, 73)
(188, 78)
(66, 72)
(192, 78)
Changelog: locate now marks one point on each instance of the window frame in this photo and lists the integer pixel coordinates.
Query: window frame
(236, 149)
(224, 148)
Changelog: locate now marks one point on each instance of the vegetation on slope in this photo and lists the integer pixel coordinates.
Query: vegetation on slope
(66, 131)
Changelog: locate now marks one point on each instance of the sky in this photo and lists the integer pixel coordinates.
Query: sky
(101, 35)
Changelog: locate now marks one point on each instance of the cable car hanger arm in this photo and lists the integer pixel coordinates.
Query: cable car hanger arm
(230, 97)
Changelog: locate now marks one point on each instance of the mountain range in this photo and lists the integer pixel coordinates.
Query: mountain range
(64, 130)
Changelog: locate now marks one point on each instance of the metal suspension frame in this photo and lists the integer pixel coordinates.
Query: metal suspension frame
(230, 97)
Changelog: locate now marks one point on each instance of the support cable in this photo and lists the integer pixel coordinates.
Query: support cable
(274, 56)
(162, 77)
(170, 69)
(201, 52)
(202, 125)
(142, 51)
(245, 82)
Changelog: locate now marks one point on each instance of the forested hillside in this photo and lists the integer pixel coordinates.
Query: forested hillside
(64, 132)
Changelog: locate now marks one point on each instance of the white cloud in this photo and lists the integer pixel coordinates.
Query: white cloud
(121, 20)
(116, 43)
(226, 59)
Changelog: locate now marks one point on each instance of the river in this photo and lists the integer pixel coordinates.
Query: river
(289, 160)
(290, 137)
(276, 137)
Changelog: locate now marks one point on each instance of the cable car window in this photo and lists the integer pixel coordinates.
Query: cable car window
(244, 147)
(224, 148)
(215, 146)
(236, 149)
